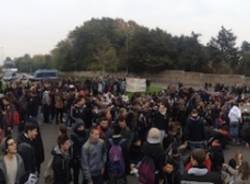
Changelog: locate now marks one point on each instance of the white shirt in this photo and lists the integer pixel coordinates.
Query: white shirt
(11, 168)
(234, 114)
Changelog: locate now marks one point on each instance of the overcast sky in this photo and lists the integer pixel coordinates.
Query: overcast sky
(35, 26)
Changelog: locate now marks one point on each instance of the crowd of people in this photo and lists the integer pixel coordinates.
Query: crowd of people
(175, 136)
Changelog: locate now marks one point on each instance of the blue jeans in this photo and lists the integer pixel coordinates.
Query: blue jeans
(234, 129)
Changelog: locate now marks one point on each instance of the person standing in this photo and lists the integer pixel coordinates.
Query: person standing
(61, 160)
(198, 173)
(93, 158)
(11, 164)
(59, 106)
(79, 136)
(234, 116)
(162, 120)
(153, 158)
(26, 148)
(46, 101)
(195, 131)
(33, 102)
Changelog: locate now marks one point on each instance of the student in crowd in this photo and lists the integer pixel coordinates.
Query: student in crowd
(11, 164)
(26, 148)
(198, 173)
(93, 158)
(61, 160)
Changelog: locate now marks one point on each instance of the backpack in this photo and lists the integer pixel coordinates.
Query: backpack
(116, 162)
(146, 171)
(13, 118)
(16, 118)
(49, 173)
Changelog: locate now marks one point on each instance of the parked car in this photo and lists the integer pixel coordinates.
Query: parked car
(45, 74)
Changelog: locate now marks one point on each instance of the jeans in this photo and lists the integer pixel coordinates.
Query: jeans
(234, 129)
(59, 115)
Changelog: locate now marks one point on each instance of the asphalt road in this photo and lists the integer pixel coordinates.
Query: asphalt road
(50, 133)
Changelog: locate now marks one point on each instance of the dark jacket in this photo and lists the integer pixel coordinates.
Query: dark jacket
(174, 177)
(32, 105)
(161, 121)
(217, 158)
(26, 149)
(232, 163)
(78, 138)
(39, 149)
(156, 153)
(2, 179)
(61, 167)
(200, 175)
(194, 130)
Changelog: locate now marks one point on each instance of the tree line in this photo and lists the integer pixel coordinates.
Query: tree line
(113, 45)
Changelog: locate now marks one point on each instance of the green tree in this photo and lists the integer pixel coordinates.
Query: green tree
(244, 60)
(191, 54)
(223, 48)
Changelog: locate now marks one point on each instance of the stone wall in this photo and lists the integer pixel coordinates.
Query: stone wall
(175, 76)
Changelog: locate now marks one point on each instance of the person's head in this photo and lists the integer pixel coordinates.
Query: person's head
(10, 146)
(31, 131)
(64, 143)
(244, 170)
(238, 157)
(194, 113)
(108, 115)
(104, 123)
(80, 102)
(57, 90)
(154, 136)
(80, 127)
(198, 156)
(123, 112)
(94, 135)
(122, 122)
(62, 130)
(162, 109)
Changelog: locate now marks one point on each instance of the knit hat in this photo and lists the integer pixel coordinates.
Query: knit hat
(154, 136)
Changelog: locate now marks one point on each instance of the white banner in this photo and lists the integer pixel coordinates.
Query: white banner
(135, 85)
